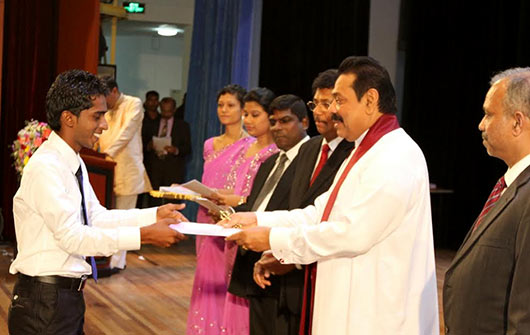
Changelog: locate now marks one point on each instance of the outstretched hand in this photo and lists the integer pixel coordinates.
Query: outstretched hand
(171, 211)
(255, 239)
(160, 234)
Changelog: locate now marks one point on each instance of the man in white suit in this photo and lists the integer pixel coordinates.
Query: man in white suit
(371, 233)
(122, 142)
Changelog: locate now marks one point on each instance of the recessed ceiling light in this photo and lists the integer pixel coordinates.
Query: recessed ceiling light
(166, 30)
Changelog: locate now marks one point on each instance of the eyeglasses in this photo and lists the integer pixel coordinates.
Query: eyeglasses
(311, 105)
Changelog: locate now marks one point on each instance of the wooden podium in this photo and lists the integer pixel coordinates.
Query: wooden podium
(101, 175)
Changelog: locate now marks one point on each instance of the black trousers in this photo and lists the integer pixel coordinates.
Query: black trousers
(266, 318)
(41, 308)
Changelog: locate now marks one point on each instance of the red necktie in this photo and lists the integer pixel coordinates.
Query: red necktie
(385, 124)
(321, 163)
(492, 199)
(311, 269)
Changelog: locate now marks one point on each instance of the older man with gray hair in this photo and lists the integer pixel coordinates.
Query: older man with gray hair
(487, 286)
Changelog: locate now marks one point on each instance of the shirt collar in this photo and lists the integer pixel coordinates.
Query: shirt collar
(332, 144)
(72, 159)
(291, 153)
(361, 138)
(118, 102)
(516, 169)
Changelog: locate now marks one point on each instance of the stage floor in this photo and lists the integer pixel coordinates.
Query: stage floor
(151, 296)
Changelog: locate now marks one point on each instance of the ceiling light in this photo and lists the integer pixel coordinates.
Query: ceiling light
(166, 30)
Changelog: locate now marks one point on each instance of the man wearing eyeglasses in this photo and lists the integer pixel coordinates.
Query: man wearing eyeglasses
(278, 309)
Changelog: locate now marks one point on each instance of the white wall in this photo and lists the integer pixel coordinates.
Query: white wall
(149, 63)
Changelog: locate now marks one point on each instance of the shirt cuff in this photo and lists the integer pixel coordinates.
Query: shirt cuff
(147, 216)
(265, 219)
(129, 238)
(279, 241)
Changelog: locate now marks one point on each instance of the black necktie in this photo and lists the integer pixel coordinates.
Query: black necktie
(79, 176)
(271, 182)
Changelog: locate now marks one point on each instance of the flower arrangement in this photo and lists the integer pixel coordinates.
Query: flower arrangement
(29, 139)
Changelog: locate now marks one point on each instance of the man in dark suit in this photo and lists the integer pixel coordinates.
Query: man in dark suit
(314, 175)
(487, 286)
(270, 191)
(168, 165)
(149, 127)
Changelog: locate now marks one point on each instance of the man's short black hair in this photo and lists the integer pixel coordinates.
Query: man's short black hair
(260, 95)
(234, 89)
(325, 79)
(110, 82)
(152, 92)
(370, 74)
(291, 102)
(73, 91)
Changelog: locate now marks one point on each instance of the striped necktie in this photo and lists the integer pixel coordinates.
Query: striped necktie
(492, 199)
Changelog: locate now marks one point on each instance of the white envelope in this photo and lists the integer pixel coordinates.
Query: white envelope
(207, 229)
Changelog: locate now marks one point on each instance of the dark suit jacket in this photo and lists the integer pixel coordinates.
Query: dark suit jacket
(171, 168)
(487, 286)
(241, 282)
(292, 192)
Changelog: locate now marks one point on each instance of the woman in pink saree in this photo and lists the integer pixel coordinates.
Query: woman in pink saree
(230, 165)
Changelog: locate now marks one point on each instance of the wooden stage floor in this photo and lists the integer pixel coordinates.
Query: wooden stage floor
(151, 296)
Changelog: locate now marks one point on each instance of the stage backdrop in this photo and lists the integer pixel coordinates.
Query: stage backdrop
(452, 49)
(302, 38)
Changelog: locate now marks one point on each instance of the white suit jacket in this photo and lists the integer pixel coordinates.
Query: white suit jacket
(122, 141)
(375, 254)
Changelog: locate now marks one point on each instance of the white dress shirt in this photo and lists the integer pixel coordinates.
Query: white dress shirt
(291, 155)
(514, 172)
(51, 236)
(375, 254)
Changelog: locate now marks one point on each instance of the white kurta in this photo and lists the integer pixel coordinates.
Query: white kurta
(376, 272)
(122, 141)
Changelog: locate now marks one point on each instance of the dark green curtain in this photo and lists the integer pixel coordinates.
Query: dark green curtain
(299, 39)
(452, 49)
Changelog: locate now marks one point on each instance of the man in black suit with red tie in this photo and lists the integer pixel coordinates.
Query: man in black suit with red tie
(487, 286)
(276, 309)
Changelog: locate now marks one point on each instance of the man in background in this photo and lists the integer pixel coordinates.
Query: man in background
(270, 191)
(168, 166)
(149, 126)
(122, 142)
(317, 163)
(487, 286)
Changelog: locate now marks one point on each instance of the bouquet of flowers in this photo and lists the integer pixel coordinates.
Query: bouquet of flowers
(29, 139)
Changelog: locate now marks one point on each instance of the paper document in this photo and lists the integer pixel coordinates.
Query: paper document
(193, 228)
(178, 189)
(197, 186)
(159, 143)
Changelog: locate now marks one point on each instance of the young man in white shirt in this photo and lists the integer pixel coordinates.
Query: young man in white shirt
(59, 222)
